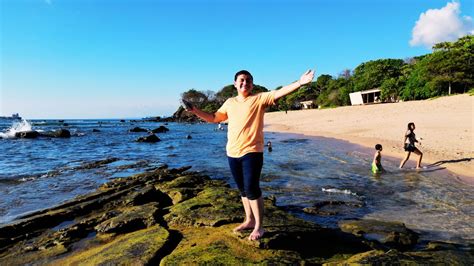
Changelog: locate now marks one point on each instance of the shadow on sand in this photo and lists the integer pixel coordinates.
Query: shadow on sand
(438, 163)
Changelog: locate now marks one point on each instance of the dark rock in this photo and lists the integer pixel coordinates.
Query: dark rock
(132, 219)
(153, 119)
(62, 133)
(139, 164)
(142, 196)
(95, 164)
(138, 129)
(27, 134)
(389, 234)
(394, 257)
(161, 129)
(151, 138)
(95, 130)
(189, 137)
(122, 121)
(181, 115)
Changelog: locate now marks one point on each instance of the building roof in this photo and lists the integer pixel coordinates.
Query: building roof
(370, 91)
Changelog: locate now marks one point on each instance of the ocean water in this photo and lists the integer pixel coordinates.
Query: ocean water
(301, 172)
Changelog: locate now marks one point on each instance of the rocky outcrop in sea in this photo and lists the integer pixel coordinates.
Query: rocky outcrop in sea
(175, 216)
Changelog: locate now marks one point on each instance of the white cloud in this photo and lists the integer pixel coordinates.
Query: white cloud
(441, 25)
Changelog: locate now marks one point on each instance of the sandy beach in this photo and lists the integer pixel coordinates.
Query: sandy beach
(445, 126)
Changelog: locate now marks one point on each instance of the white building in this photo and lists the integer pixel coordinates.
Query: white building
(307, 105)
(365, 97)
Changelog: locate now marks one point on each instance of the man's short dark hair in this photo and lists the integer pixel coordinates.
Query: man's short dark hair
(378, 147)
(243, 72)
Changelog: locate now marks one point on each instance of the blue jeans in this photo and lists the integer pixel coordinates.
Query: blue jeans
(246, 172)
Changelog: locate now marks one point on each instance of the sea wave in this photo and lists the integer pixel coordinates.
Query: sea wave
(340, 191)
(19, 126)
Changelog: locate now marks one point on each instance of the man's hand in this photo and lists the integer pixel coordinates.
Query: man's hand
(307, 77)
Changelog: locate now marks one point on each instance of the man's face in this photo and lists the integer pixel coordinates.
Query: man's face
(243, 84)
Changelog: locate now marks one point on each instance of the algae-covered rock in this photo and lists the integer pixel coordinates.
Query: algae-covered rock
(213, 206)
(188, 219)
(181, 194)
(143, 195)
(137, 248)
(187, 186)
(130, 219)
(186, 181)
(394, 257)
(389, 234)
(211, 245)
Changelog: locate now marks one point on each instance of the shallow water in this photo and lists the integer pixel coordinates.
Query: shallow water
(301, 172)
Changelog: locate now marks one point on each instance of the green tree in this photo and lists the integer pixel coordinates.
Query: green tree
(372, 74)
(389, 90)
(196, 97)
(450, 64)
(225, 93)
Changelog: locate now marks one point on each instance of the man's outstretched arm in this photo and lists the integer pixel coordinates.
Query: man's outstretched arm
(306, 78)
(208, 117)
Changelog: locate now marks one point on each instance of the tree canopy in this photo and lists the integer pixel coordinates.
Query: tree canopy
(448, 69)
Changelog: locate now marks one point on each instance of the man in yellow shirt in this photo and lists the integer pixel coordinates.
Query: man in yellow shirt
(245, 141)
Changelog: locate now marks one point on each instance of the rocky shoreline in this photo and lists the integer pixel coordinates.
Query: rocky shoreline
(175, 216)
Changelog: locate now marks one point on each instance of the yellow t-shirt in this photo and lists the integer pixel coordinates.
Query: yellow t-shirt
(245, 118)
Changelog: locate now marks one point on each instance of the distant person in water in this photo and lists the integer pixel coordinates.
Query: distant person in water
(220, 127)
(269, 146)
(409, 146)
(377, 162)
(245, 143)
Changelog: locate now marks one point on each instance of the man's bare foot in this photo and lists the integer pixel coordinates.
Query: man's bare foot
(244, 226)
(256, 234)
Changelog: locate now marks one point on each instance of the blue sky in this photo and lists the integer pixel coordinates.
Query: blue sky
(133, 58)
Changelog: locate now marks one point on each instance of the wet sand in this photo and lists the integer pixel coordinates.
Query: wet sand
(445, 126)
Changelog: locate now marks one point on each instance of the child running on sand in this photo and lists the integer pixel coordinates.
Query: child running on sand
(410, 146)
(377, 162)
(245, 143)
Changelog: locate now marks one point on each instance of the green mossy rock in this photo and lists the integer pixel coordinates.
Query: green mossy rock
(188, 219)
(142, 196)
(131, 219)
(187, 186)
(388, 234)
(219, 246)
(137, 248)
(394, 257)
(213, 206)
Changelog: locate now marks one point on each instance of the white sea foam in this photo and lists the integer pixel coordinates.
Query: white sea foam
(341, 191)
(20, 126)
